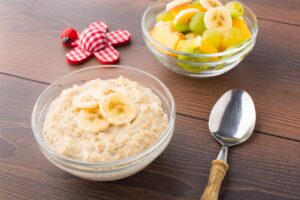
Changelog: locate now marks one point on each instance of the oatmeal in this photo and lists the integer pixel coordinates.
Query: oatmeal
(104, 120)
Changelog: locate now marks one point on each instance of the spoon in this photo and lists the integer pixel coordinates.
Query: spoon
(231, 122)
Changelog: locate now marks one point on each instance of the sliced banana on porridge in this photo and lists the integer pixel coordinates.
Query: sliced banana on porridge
(97, 124)
(85, 101)
(91, 121)
(118, 108)
(102, 92)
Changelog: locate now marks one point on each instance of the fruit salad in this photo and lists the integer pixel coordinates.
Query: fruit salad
(200, 27)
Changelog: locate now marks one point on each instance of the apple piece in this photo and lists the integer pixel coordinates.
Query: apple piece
(166, 36)
(187, 46)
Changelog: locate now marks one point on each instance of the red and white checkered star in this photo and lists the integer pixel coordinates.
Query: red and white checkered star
(95, 40)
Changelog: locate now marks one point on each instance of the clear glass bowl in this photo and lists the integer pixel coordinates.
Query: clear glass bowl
(103, 171)
(222, 62)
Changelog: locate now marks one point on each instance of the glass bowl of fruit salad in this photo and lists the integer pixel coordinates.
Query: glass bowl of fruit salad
(199, 38)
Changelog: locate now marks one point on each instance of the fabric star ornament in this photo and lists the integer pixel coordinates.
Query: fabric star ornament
(94, 41)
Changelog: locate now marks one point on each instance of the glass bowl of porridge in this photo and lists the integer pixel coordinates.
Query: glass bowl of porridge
(104, 123)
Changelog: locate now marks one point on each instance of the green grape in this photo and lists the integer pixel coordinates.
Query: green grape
(164, 16)
(228, 55)
(183, 28)
(213, 37)
(193, 69)
(232, 37)
(190, 68)
(218, 67)
(196, 3)
(236, 9)
(197, 23)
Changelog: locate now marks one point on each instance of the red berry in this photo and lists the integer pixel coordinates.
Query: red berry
(69, 35)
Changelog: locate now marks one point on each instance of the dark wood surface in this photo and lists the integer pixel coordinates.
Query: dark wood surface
(265, 168)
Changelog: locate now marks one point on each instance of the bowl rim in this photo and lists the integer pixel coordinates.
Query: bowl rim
(199, 55)
(134, 158)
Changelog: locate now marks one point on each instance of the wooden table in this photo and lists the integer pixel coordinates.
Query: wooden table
(265, 168)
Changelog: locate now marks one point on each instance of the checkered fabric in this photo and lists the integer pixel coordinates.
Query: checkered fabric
(75, 44)
(102, 26)
(119, 37)
(108, 55)
(77, 56)
(95, 40)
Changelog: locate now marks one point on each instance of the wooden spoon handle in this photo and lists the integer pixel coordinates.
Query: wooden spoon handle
(217, 173)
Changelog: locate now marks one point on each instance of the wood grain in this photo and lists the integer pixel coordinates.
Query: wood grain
(270, 73)
(264, 168)
(258, 169)
(273, 10)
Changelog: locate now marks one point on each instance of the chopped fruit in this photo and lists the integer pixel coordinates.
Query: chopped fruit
(197, 44)
(165, 17)
(91, 121)
(176, 3)
(192, 69)
(212, 37)
(163, 23)
(236, 9)
(231, 37)
(190, 35)
(183, 28)
(165, 35)
(197, 24)
(200, 27)
(85, 101)
(229, 54)
(190, 50)
(176, 10)
(188, 45)
(118, 108)
(197, 5)
(218, 67)
(185, 15)
(208, 4)
(218, 18)
(241, 24)
(207, 48)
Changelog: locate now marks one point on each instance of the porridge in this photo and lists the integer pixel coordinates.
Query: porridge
(104, 120)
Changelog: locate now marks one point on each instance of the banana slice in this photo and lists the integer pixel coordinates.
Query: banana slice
(185, 15)
(218, 18)
(208, 4)
(91, 121)
(101, 92)
(198, 41)
(176, 3)
(85, 101)
(117, 108)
